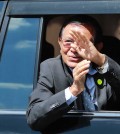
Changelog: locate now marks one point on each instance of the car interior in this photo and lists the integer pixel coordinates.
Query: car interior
(110, 24)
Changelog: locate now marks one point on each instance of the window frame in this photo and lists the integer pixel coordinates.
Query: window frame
(5, 3)
(52, 7)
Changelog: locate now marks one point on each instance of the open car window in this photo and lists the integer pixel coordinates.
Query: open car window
(111, 36)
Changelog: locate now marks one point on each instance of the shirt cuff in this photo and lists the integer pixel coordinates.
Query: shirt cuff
(69, 96)
(104, 68)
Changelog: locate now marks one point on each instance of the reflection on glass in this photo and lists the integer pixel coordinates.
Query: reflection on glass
(17, 63)
(1, 5)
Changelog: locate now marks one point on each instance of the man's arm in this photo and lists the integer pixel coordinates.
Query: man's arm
(113, 73)
(45, 106)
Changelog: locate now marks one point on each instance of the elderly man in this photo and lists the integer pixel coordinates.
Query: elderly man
(80, 78)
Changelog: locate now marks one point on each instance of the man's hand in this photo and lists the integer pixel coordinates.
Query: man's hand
(79, 74)
(85, 46)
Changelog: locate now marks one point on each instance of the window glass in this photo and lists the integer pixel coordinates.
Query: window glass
(1, 5)
(17, 63)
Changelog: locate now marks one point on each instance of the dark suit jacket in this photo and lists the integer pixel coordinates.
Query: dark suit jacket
(48, 103)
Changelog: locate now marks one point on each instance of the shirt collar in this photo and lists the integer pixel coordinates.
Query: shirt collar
(92, 71)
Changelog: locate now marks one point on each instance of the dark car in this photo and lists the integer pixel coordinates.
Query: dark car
(28, 35)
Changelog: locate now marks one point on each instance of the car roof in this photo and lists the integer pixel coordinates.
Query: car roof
(54, 7)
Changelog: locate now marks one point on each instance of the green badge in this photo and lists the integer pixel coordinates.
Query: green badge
(99, 82)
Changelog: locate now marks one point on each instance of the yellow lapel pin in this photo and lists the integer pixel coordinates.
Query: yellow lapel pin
(99, 82)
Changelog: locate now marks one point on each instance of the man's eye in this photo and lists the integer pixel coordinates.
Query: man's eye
(69, 41)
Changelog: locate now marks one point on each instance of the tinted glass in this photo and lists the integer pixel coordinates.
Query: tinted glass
(1, 5)
(17, 63)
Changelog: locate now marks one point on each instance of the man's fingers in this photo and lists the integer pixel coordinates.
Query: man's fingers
(82, 66)
(81, 75)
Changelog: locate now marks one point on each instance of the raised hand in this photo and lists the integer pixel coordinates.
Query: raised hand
(85, 45)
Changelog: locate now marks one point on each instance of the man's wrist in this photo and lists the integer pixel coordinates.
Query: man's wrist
(69, 96)
(104, 68)
(74, 89)
(100, 60)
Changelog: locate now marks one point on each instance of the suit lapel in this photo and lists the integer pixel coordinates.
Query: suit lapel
(68, 73)
(101, 90)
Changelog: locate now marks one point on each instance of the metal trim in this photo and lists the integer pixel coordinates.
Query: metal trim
(60, 7)
(38, 49)
(3, 13)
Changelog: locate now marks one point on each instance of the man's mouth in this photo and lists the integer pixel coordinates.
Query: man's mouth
(75, 59)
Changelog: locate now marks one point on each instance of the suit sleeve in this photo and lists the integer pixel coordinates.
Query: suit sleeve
(45, 106)
(113, 74)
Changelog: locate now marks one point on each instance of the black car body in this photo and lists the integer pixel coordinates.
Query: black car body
(28, 35)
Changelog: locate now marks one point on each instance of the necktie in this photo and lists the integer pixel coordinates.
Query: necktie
(89, 99)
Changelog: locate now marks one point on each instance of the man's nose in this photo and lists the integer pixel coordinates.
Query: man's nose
(73, 46)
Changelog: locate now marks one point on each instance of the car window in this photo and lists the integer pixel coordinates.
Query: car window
(17, 63)
(1, 5)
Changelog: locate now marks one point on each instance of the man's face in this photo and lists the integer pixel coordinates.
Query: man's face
(68, 43)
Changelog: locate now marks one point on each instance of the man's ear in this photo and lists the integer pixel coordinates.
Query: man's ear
(99, 46)
(59, 42)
